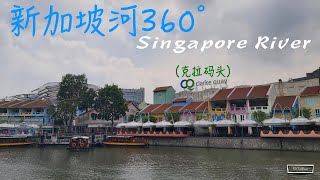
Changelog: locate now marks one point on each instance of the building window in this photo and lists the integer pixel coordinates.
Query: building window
(241, 117)
(317, 112)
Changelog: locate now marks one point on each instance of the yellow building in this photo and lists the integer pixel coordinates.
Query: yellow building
(218, 105)
(310, 98)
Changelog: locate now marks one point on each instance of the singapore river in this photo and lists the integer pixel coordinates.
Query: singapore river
(151, 163)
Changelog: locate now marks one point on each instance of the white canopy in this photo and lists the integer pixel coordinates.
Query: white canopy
(248, 123)
(6, 125)
(148, 124)
(224, 123)
(163, 124)
(34, 126)
(47, 127)
(96, 125)
(121, 125)
(300, 121)
(133, 124)
(275, 122)
(182, 124)
(316, 121)
(203, 123)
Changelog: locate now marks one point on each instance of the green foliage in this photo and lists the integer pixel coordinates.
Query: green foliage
(204, 116)
(130, 118)
(260, 116)
(174, 116)
(305, 112)
(151, 118)
(72, 90)
(88, 99)
(110, 103)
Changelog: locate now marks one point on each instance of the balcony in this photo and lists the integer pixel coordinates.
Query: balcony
(3, 114)
(38, 114)
(219, 109)
(13, 114)
(26, 114)
(238, 109)
(259, 108)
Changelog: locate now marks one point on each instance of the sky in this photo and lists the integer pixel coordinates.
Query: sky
(28, 62)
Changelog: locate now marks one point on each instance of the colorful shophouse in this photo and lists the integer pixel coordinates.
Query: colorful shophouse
(178, 104)
(310, 98)
(194, 110)
(28, 111)
(284, 106)
(160, 111)
(164, 94)
(238, 106)
(218, 104)
(260, 98)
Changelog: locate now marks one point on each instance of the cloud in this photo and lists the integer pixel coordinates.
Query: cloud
(28, 62)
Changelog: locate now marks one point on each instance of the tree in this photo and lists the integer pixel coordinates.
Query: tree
(260, 116)
(110, 103)
(88, 100)
(72, 90)
(305, 112)
(170, 115)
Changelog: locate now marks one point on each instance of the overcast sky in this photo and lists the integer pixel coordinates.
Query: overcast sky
(28, 62)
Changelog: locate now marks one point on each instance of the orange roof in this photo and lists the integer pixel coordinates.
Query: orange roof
(202, 107)
(150, 108)
(311, 91)
(3, 102)
(175, 109)
(239, 93)
(25, 104)
(36, 104)
(6, 105)
(259, 92)
(163, 88)
(180, 100)
(192, 106)
(19, 104)
(161, 108)
(284, 101)
(222, 94)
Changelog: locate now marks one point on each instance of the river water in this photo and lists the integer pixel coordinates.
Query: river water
(151, 163)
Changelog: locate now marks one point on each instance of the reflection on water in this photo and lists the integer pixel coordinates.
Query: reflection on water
(151, 163)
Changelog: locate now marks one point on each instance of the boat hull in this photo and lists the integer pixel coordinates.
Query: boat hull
(140, 144)
(16, 144)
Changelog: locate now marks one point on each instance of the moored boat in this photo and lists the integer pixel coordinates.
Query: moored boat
(79, 143)
(124, 141)
(15, 140)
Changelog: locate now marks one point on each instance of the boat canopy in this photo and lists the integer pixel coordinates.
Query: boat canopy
(148, 124)
(316, 121)
(121, 125)
(224, 123)
(275, 122)
(182, 124)
(133, 124)
(248, 123)
(300, 121)
(203, 123)
(163, 124)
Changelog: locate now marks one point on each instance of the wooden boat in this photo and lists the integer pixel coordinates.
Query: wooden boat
(79, 143)
(15, 140)
(124, 141)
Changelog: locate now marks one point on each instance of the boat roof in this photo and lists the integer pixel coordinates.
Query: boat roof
(80, 137)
